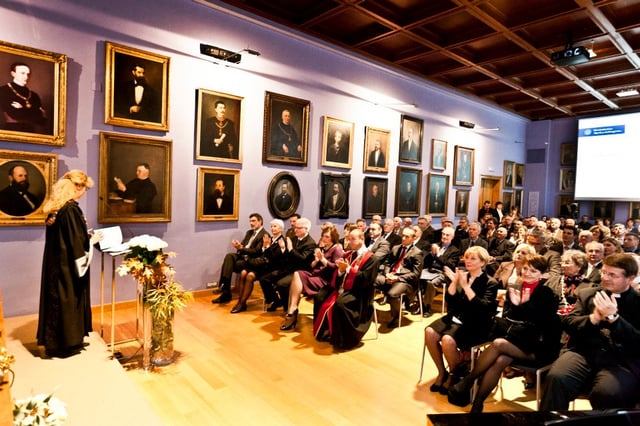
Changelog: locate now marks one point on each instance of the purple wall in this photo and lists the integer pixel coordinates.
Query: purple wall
(337, 85)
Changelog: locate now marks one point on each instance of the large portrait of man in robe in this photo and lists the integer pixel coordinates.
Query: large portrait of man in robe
(286, 129)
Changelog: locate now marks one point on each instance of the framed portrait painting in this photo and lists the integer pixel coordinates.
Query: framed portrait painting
(568, 154)
(507, 201)
(438, 194)
(634, 210)
(568, 206)
(218, 119)
(30, 177)
(508, 174)
(410, 139)
(408, 183)
(334, 200)
(438, 154)
(463, 166)
(567, 180)
(134, 179)
(136, 88)
(376, 150)
(519, 170)
(283, 196)
(218, 193)
(337, 143)
(603, 209)
(33, 95)
(374, 197)
(462, 202)
(517, 199)
(285, 137)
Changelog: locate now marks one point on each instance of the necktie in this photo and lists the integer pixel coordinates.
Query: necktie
(253, 237)
(398, 264)
(472, 243)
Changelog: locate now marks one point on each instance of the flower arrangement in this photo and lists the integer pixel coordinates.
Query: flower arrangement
(6, 359)
(45, 410)
(161, 294)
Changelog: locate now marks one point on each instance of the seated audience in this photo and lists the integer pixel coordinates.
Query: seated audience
(343, 309)
(595, 254)
(401, 273)
(471, 301)
(309, 282)
(258, 265)
(602, 356)
(630, 242)
(584, 237)
(388, 234)
(344, 241)
(377, 244)
(574, 269)
(529, 330)
(500, 250)
(600, 232)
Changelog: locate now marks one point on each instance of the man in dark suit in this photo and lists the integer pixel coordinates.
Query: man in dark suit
(486, 208)
(401, 273)
(409, 149)
(374, 200)
(376, 157)
(135, 99)
(250, 246)
(377, 244)
(335, 200)
(474, 239)
(630, 242)
(441, 255)
(218, 202)
(595, 254)
(500, 250)
(15, 199)
(601, 353)
(299, 255)
(388, 234)
(283, 200)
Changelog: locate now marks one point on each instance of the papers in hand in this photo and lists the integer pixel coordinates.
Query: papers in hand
(112, 240)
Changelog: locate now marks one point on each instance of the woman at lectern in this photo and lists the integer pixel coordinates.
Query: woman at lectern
(65, 305)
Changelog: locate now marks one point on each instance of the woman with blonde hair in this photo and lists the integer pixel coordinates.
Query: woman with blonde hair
(65, 303)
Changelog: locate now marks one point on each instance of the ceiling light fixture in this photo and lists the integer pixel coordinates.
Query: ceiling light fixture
(224, 54)
(627, 92)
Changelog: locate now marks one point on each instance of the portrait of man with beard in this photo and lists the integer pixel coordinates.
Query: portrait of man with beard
(15, 199)
(218, 201)
(135, 99)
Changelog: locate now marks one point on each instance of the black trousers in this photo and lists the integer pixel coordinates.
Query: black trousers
(232, 262)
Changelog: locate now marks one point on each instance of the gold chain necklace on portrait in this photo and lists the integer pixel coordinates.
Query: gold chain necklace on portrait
(25, 99)
(285, 132)
(220, 127)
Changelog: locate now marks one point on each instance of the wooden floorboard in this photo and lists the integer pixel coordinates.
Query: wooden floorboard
(241, 369)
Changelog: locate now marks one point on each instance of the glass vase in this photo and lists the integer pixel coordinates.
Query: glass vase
(162, 341)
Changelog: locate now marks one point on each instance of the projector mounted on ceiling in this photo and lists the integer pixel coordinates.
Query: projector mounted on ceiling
(570, 56)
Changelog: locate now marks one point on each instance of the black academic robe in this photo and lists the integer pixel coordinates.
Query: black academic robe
(343, 316)
(65, 303)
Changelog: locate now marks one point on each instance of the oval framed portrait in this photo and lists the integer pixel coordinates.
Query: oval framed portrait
(283, 196)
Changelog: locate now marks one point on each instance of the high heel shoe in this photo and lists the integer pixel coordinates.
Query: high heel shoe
(290, 321)
(439, 388)
(240, 307)
(274, 305)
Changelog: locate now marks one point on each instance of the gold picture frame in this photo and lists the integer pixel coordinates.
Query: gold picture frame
(376, 150)
(45, 95)
(285, 138)
(128, 106)
(519, 171)
(124, 158)
(218, 124)
(410, 144)
(438, 154)
(218, 194)
(463, 166)
(509, 174)
(42, 170)
(337, 143)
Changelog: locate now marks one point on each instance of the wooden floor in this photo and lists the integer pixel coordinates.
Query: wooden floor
(241, 369)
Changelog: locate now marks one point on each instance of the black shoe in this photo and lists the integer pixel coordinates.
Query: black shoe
(240, 307)
(290, 321)
(439, 388)
(274, 305)
(223, 298)
(460, 394)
